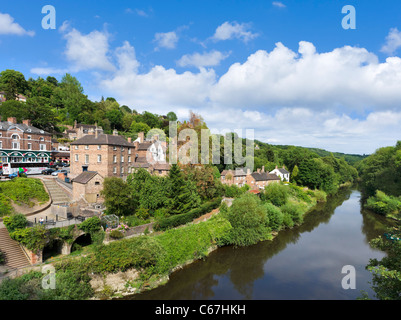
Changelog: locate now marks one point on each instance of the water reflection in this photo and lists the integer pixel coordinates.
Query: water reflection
(302, 263)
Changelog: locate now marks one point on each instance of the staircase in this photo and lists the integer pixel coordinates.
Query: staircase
(57, 193)
(14, 256)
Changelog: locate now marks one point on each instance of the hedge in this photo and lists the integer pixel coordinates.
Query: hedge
(183, 218)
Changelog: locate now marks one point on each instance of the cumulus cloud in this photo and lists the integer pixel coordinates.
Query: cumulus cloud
(347, 77)
(206, 59)
(393, 42)
(87, 51)
(47, 71)
(166, 40)
(8, 26)
(233, 30)
(278, 4)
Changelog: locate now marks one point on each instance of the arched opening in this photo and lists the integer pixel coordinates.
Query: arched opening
(52, 249)
(80, 242)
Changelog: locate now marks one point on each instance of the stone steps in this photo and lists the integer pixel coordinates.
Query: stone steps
(14, 256)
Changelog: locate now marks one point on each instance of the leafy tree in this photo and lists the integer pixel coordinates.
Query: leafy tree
(137, 127)
(171, 116)
(14, 108)
(118, 197)
(12, 82)
(15, 221)
(276, 193)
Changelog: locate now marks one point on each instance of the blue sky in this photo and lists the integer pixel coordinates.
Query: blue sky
(286, 69)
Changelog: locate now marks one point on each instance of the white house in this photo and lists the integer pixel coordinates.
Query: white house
(282, 173)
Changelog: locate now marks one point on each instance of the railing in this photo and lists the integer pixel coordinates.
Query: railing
(59, 222)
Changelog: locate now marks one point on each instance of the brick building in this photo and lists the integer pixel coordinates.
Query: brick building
(256, 180)
(21, 142)
(88, 186)
(109, 155)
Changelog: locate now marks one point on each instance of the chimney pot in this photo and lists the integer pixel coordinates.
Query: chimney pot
(129, 140)
(12, 120)
(115, 132)
(263, 168)
(26, 122)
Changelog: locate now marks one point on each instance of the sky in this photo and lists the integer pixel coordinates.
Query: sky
(290, 70)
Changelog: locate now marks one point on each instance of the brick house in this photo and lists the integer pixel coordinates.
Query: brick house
(255, 180)
(282, 173)
(109, 155)
(79, 130)
(21, 142)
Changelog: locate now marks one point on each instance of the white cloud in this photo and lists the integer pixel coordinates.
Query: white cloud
(87, 51)
(228, 31)
(346, 77)
(48, 71)
(166, 40)
(206, 59)
(393, 42)
(278, 4)
(8, 26)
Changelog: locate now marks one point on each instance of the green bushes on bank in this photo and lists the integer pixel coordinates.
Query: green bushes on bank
(384, 204)
(180, 219)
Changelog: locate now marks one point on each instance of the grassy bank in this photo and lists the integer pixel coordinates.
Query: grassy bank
(21, 191)
(145, 262)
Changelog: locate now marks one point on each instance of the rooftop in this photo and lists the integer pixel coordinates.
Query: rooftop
(103, 139)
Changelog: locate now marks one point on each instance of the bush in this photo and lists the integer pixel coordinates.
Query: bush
(15, 221)
(276, 193)
(383, 204)
(115, 234)
(249, 220)
(90, 225)
(287, 220)
(294, 211)
(275, 216)
(180, 219)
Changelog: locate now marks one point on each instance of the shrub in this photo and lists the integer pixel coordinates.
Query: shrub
(249, 220)
(276, 193)
(142, 213)
(90, 225)
(15, 221)
(115, 234)
(287, 220)
(275, 216)
(294, 211)
(179, 219)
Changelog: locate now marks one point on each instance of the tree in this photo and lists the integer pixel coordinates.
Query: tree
(12, 83)
(183, 193)
(295, 173)
(171, 116)
(139, 127)
(117, 197)
(14, 108)
(41, 114)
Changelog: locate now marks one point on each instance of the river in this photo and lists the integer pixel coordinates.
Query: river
(301, 263)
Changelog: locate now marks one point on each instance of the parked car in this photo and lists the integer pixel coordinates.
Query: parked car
(48, 171)
(13, 175)
(55, 173)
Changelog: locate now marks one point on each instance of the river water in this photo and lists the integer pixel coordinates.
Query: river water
(302, 263)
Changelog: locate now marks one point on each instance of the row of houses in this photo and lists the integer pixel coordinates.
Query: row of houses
(256, 180)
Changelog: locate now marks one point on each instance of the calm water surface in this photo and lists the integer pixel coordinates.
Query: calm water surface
(301, 263)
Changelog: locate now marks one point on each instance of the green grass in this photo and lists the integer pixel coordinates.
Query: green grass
(21, 191)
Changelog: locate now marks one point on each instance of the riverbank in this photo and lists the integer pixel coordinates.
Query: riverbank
(131, 266)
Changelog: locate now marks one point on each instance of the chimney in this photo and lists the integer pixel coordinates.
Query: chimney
(12, 120)
(84, 168)
(276, 167)
(96, 132)
(258, 170)
(141, 136)
(248, 171)
(75, 124)
(26, 122)
(115, 132)
(263, 168)
(129, 140)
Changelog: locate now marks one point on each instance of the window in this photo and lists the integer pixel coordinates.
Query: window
(115, 170)
(97, 183)
(42, 147)
(114, 148)
(76, 147)
(99, 158)
(129, 150)
(1, 144)
(99, 147)
(122, 148)
(129, 170)
(122, 159)
(15, 145)
(76, 157)
(114, 159)
(15, 137)
(86, 147)
(29, 146)
(41, 139)
(29, 137)
(87, 159)
(129, 159)
(122, 169)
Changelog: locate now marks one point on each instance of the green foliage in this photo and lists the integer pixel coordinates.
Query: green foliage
(180, 219)
(382, 171)
(118, 196)
(384, 204)
(276, 193)
(234, 191)
(275, 216)
(15, 221)
(115, 234)
(294, 211)
(249, 220)
(316, 174)
(33, 238)
(90, 225)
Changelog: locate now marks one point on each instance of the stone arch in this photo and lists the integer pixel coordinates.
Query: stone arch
(52, 248)
(83, 239)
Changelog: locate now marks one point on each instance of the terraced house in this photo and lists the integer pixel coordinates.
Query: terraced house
(23, 143)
